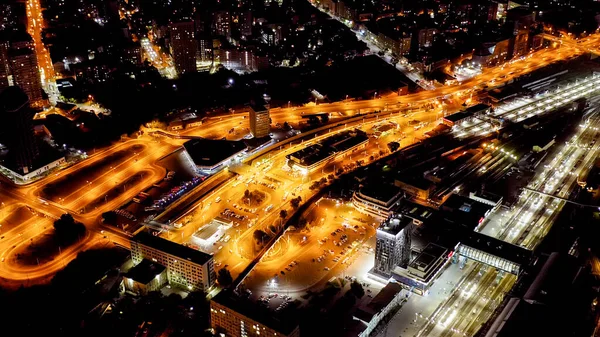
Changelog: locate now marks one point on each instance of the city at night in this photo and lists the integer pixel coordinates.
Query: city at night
(299, 168)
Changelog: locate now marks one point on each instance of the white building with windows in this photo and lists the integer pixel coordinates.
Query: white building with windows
(186, 267)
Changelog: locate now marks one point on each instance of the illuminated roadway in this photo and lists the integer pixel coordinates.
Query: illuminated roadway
(423, 106)
(478, 293)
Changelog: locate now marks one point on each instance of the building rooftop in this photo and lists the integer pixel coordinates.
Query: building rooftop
(393, 225)
(278, 322)
(259, 105)
(172, 248)
(464, 211)
(556, 275)
(416, 181)
(502, 249)
(416, 211)
(209, 153)
(145, 271)
(385, 193)
(478, 108)
(459, 116)
(329, 146)
(379, 302)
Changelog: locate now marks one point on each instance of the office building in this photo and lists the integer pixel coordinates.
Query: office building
(186, 267)
(232, 316)
(260, 120)
(183, 46)
(17, 130)
(393, 245)
(378, 200)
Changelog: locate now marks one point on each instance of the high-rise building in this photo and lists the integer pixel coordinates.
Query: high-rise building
(205, 49)
(18, 65)
(186, 267)
(393, 244)
(260, 120)
(17, 132)
(245, 20)
(222, 23)
(4, 65)
(183, 46)
(26, 74)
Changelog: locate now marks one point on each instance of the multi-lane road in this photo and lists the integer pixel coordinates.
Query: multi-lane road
(79, 192)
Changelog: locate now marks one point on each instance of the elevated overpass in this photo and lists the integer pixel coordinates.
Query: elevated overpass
(494, 252)
(589, 44)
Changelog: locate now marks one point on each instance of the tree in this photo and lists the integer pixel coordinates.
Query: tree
(67, 229)
(247, 194)
(324, 118)
(260, 236)
(286, 126)
(357, 289)
(224, 277)
(283, 214)
(296, 202)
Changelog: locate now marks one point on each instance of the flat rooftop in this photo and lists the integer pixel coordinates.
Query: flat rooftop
(477, 108)
(252, 310)
(145, 271)
(209, 152)
(428, 255)
(383, 192)
(464, 211)
(171, 248)
(328, 147)
(416, 211)
(459, 116)
(380, 301)
(502, 249)
(394, 225)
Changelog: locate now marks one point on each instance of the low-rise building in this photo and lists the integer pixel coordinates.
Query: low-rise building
(145, 277)
(186, 267)
(378, 201)
(370, 315)
(316, 156)
(419, 187)
(467, 114)
(210, 155)
(232, 316)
